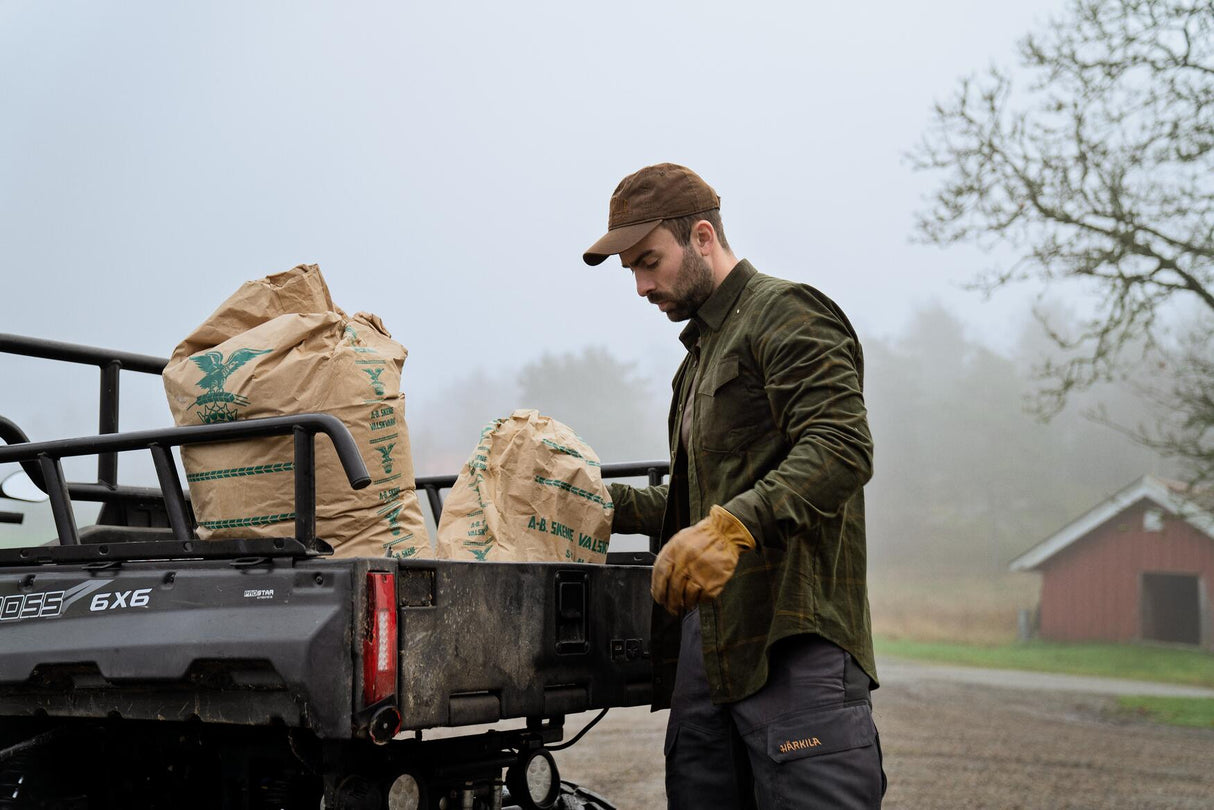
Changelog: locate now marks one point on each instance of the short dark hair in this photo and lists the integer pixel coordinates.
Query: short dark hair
(681, 226)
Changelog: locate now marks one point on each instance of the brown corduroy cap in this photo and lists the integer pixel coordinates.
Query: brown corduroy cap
(643, 199)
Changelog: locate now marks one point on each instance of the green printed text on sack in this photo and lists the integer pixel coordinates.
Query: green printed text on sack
(383, 417)
(595, 545)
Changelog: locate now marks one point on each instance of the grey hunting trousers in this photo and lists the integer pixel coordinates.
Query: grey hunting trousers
(805, 740)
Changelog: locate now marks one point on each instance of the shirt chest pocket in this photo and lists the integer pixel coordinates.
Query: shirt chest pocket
(731, 409)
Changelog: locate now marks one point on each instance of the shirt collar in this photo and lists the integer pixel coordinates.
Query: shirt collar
(716, 309)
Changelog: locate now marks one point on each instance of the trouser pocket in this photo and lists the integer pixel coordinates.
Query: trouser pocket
(823, 757)
(704, 770)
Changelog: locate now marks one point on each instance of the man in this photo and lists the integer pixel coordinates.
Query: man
(761, 641)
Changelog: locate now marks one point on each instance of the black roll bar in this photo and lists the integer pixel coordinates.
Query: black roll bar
(110, 362)
(75, 353)
(304, 427)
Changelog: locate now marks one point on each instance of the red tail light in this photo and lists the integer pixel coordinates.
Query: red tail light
(379, 642)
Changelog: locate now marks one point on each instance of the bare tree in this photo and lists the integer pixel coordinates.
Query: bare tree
(1189, 431)
(1100, 171)
(1180, 384)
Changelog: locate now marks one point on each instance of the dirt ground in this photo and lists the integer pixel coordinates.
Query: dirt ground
(956, 745)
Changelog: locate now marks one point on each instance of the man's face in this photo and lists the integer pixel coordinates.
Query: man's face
(677, 279)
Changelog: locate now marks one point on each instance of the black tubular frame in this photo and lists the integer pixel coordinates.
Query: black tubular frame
(303, 427)
(110, 362)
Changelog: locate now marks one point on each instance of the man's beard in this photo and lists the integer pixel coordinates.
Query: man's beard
(691, 287)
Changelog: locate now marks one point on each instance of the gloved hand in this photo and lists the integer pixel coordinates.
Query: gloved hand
(697, 562)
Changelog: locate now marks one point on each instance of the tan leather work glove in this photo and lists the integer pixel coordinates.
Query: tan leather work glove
(698, 561)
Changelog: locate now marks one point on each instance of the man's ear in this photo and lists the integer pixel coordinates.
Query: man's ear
(703, 237)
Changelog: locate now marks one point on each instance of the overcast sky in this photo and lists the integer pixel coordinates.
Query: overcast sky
(446, 164)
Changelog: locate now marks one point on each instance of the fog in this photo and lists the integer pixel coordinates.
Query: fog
(447, 164)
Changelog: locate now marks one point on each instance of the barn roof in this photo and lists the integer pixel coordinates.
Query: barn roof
(1164, 494)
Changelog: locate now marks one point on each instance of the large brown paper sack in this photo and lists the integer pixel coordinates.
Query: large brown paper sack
(532, 491)
(281, 346)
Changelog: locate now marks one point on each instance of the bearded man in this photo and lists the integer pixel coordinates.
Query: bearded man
(761, 643)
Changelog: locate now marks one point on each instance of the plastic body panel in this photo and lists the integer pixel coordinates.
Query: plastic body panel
(241, 641)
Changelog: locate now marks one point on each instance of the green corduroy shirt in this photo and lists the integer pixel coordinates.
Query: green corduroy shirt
(779, 437)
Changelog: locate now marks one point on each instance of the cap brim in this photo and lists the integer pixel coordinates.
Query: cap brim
(617, 240)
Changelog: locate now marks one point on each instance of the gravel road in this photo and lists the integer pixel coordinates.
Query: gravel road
(953, 740)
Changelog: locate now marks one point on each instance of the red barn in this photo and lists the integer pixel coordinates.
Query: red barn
(1137, 567)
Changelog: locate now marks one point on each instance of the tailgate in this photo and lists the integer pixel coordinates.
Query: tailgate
(486, 641)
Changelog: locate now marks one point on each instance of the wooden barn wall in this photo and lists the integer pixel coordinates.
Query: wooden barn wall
(1090, 591)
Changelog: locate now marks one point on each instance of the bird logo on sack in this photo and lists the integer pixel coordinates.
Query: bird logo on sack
(376, 385)
(386, 457)
(218, 405)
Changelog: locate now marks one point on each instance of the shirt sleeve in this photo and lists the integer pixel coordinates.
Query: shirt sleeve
(812, 375)
(638, 511)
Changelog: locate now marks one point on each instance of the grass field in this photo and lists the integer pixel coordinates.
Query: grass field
(972, 620)
(1192, 712)
(1132, 661)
